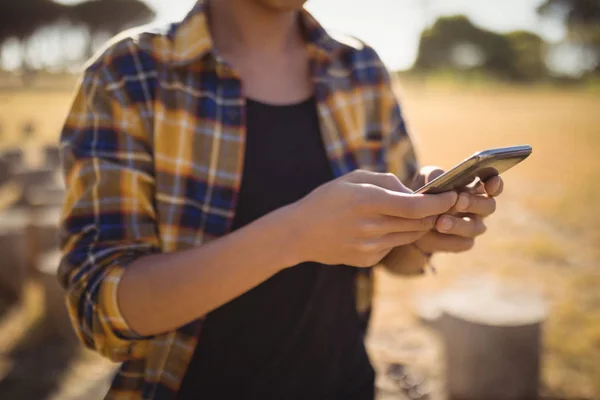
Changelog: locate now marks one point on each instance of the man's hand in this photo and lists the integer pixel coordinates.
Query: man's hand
(358, 218)
(456, 230)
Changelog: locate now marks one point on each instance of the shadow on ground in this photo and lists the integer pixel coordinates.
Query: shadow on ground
(36, 365)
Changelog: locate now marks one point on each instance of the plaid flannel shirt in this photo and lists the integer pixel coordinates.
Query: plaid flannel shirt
(152, 151)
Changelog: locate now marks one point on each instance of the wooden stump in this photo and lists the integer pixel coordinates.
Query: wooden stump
(47, 196)
(30, 178)
(5, 170)
(492, 341)
(15, 157)
(52, 156)
(45, 223)
(41, 187)
(42, 234)
(57, 323)
(13, 253)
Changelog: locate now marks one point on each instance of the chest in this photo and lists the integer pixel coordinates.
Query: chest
(199, 130)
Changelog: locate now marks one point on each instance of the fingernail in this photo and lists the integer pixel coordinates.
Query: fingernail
(445, 224)
(463, 202)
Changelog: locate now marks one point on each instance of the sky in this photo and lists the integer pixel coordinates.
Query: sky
(393, 27)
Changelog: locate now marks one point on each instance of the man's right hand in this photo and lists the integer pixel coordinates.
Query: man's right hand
(358, 218)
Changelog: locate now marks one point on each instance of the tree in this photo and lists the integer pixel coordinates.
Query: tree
(21, 19)
(529, 52)
(110, 16)
(455, 43)
(582, 19)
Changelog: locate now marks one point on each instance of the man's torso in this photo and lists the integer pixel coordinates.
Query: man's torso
(184, 113)
(297, 335)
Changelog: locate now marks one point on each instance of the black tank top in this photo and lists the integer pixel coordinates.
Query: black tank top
(296, 335)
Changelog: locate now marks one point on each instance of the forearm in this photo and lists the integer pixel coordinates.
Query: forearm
(162, 292)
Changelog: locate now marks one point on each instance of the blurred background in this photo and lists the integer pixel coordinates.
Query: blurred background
(473, 74)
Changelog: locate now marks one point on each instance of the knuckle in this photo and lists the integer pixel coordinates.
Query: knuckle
(391, 177)
(354, 176)
(428, 223)
(358, 196)
(367, 247)
(368, 228)
(468, 227)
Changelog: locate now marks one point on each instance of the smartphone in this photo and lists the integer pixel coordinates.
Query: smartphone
(480, 166)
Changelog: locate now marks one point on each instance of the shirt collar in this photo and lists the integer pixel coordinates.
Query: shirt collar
(192, 38)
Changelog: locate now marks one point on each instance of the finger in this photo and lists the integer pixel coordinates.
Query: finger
(469, 227)
(494, 186)
(432, 173)
(383, 180)
(426, 175)
(475, 204)
(478, 188)
(387, 224)
(396, 239)
(438, 242)
(411, 206)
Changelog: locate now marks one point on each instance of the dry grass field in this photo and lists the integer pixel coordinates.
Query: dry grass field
(545, 236)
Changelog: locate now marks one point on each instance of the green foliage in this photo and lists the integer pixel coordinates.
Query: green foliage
(455, 43)
(582, 19)
(577, 13)
(528, 55)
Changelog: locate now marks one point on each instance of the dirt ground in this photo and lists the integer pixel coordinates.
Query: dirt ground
(544, 238)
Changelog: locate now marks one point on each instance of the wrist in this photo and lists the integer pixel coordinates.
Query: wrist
(287, 234)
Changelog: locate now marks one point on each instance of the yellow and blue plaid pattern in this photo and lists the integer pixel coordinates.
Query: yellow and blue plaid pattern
(152, 151)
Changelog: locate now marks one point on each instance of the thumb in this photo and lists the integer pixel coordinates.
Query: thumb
(382, 180)
(431, 172)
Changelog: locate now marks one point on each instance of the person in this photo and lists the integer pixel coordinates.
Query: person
(228, 195)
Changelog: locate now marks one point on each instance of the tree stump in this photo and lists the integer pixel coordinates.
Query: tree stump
(15, 157)
(32, 178)
(42, 235)
(52, 156)
(45, 223)
(40, 187)
(48, 196)
(57, 323)
(492, 341)
(13, 253)
(5, 170)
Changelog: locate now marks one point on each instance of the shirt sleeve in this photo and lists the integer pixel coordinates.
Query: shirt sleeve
(108, 218)
(399, 150)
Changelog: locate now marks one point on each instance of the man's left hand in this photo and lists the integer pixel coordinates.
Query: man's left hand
(456, 231)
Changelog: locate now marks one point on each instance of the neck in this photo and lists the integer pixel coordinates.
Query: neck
(247, 26)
